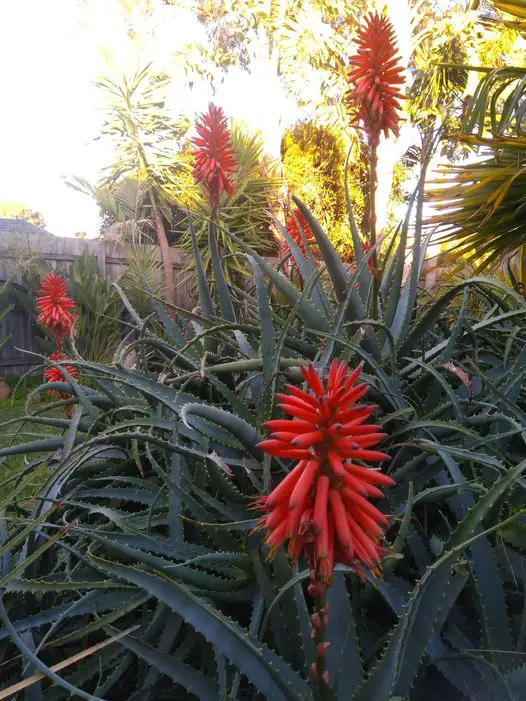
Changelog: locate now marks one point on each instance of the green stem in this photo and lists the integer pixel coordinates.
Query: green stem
(372, 230)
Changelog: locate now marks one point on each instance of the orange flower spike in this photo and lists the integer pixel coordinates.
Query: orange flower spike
(369, 455)
(308, 439)
(368, 439)
(375, 76)
(277, 537)
(55, 306)
(356, 501)
(300, 394)
(55, 374)
(277, 516)
(360, 538)
(356, 414)
(368, 524)
(354, 484)
(215, 159)
(336, 464)
(322, 539)
(322, 506)
(312, 379)
(288, 425)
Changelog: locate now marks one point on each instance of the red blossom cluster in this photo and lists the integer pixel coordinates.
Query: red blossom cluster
(57, 316)
(375, 76)
(322, 506)
(215, 158)
(55, 307)
(55, 374)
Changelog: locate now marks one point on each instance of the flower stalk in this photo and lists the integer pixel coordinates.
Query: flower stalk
(57, 316)
(321, 509)
(375, 76)
(215, 159)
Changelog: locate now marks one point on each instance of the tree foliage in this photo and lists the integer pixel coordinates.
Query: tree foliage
(480, 203)
(314, 159)
(20, 210)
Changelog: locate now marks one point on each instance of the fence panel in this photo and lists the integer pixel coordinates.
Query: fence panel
(17, 248)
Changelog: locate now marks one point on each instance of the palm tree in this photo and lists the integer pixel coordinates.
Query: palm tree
(147, 143)
(480, 205)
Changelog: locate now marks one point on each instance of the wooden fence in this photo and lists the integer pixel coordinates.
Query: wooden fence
(18, 249)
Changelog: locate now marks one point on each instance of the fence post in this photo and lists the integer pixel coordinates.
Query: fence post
(101, 257)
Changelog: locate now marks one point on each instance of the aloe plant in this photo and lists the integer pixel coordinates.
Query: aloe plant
(145, 528)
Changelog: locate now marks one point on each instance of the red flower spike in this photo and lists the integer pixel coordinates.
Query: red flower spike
(215, 158)
(55, 374)
(375, 76)
(322, 507)
(55, 307)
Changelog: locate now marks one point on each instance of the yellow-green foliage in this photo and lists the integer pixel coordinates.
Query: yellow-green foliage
(314, 164)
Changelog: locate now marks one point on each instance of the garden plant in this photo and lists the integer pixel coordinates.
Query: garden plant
(207, 529)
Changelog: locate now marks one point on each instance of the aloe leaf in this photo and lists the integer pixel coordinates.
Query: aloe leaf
(392, 283)
(343, 655)
(488, 584)
(44, 446)
(307, 312)
(407, 304)
(205, 298)
(307, 271)
(36, 662)
(225, 301)
(480, 326)
(418, 620)
(446, 387)
(93, 602)
(341, 316)
(430, 318)
(335, 267)
(295, 615)
(364, 274)
(193, 681)
(236, 426)
(275, 679)
(268, 341)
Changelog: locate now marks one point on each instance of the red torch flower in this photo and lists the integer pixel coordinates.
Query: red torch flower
(321, 507)
(55, 374)
(375, 75)
(55, 307)
(215, 159)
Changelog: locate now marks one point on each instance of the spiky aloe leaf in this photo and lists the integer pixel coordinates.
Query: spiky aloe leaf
(268, 342)
(228, 422)
(264, 668)
(335, 267)
(344, 655)
(308, 272)
(307, 312)
(182, 674)
(416, 626)
(34, 660)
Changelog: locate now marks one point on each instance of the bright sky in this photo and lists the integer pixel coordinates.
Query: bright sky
(52, 52)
